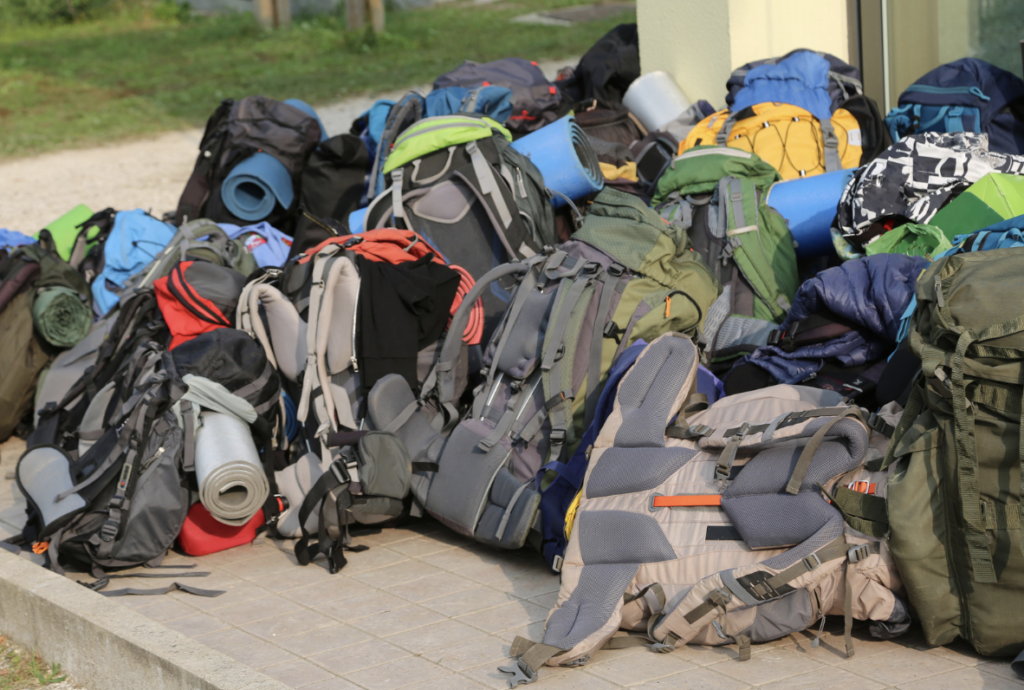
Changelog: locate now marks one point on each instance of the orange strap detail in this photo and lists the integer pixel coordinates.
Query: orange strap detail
(691, 501)
(668, 307)
(40, 547)
(863, 487)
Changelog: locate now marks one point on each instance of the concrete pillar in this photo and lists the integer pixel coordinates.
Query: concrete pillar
(700, 42)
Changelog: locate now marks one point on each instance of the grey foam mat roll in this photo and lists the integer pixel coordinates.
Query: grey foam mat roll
(232, 484)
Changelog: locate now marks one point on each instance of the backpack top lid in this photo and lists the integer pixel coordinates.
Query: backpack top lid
(624, 227)
(967, 82)
(389, 245)
(233, 359)
(435, 133)
(802, 79)
(844, 79)
(133, 242)
(699, 170)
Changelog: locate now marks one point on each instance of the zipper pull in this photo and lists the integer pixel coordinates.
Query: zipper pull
(355, 364)
(522, 187)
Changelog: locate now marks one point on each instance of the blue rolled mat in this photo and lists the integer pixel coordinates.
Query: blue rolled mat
(356, 221)
(564, 156)
(809, 205)
(308, 109)
(256, 185)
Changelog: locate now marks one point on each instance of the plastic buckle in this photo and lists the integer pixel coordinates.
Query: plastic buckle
(340, 472)
(700, 430)
(809, 565)
(858, 553)
(591, 267)
(108, 531)
(352, 242)
(662, 648)
(557, 436)
(775, 337)
(616, 270)
(521, 673)
(650, 502)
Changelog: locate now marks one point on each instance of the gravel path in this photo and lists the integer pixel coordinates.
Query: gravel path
(146, 173)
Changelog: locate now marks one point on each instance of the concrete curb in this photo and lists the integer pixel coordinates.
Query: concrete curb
(105, 645)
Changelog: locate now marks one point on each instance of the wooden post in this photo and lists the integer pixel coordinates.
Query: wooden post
(377, 15)
(282, 14)
(264, 11)
(355, 14)
(273, 14)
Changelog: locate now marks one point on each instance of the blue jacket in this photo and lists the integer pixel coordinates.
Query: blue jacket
(871, 293)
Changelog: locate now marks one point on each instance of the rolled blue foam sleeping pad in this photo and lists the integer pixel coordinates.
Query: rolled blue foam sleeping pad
(356, 220)
(256, 185)
(564, 156)
(809, 206)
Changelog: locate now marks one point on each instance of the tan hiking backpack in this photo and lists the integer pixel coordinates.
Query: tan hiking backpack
(718, 528)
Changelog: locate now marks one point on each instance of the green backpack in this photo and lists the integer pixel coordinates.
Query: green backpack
(716, 194)
(954, 497)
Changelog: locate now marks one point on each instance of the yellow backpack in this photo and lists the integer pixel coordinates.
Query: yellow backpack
(786, 137)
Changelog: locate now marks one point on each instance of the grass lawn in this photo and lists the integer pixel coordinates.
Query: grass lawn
(132, 75)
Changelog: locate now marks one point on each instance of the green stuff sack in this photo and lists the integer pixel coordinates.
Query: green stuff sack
(61, 299)
(65, 230)
(954, 497)
(61, 316)
(911, 239)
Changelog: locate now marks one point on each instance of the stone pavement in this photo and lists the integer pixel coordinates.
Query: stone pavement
(425, 608)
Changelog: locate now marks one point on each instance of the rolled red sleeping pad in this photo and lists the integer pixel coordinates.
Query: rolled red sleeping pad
(202, 534)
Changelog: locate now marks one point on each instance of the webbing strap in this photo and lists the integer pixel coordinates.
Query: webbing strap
(967, 470)
(525, 288)
(500, 532)
(728, 455)
(174, 586)
(836, 548)
(532, 657)
(910, 413)
(565, 310)
(687, 501)
(488, 184)
(831, 143)
(445, 366)
(807, 455)
(609, 288)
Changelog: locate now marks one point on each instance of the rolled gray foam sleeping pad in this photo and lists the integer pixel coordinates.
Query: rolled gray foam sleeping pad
(232, 484)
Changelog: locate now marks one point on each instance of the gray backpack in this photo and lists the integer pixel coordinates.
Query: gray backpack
(120, 498)
(369, 481)
(623, 277)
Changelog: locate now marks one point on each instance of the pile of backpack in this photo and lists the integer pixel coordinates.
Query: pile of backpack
(730, 373)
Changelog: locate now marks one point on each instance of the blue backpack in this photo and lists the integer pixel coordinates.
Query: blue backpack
(135, 241)
(968, 95)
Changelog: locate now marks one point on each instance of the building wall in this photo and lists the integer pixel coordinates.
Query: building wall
(700, 42)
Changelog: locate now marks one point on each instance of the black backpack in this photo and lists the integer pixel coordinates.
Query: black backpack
(115, 492)
(235, 131)
(607, 69)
